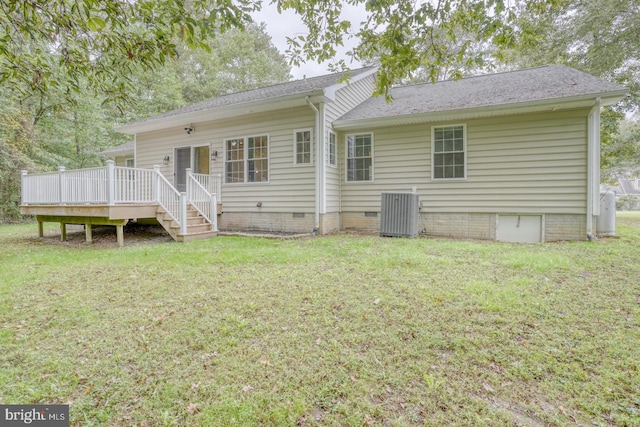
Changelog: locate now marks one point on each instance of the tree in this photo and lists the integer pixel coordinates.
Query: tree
(404, 36)
(600, 38)
(103, 41)
(621, 157)
(100, 43)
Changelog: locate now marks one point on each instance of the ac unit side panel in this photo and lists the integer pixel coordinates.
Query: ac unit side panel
(399, 214)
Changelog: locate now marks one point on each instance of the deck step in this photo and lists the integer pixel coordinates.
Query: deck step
(197, 226)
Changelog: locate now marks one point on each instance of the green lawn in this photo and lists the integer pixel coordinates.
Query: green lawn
(340, 330)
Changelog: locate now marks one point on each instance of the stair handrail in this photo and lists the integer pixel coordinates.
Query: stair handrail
(205, 202)
(171, 200)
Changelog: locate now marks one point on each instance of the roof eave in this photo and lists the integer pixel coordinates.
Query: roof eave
(223, 112)
(606, 98)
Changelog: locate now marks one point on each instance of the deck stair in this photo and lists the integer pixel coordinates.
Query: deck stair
(197, 225)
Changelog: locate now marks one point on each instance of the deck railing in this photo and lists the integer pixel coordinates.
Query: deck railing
(112, 185)
(201, 197)
(211, 183)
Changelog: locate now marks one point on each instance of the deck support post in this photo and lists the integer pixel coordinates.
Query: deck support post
(120, 235)
(40, 228)
(88, 234)
(63, 231)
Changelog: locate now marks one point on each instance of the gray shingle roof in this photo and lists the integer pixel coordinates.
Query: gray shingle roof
(127, 146)
(528, 85)
(294, 87)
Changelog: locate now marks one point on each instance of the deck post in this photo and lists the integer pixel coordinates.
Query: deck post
(61, 170)
(23, 174)
(111, 182)
(156, 183)
(40, 228)
(88, 234)
(183, 213)
(120, 235)
(188, 181)
(63, 231)
(214, 212)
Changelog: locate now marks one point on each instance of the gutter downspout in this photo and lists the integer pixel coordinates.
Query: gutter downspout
(593, 167)
(317, 161)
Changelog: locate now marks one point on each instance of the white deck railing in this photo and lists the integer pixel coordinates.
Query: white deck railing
(113, 185)
(201, 197)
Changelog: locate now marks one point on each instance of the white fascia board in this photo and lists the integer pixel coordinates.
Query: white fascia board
(222, 112)
(480, 112)
(330, 92)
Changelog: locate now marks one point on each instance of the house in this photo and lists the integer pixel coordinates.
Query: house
(123, 155)
(510, 156)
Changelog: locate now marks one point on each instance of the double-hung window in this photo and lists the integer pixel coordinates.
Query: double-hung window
(331, 152)
(448, 152)
(303, 146)
(247, 159)
(360, 157)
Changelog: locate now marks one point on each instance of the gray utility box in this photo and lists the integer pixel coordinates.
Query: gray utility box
(399, 214)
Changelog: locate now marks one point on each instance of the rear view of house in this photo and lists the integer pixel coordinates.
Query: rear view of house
(511, 156)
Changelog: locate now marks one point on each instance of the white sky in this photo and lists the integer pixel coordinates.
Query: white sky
(289, 24)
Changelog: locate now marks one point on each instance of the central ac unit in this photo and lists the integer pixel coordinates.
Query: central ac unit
(399, 214)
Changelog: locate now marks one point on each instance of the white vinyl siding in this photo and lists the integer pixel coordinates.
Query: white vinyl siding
(448, 152)
(289, 189)
(303, 147)
(346, 99)
(359, 157)
(534, 163)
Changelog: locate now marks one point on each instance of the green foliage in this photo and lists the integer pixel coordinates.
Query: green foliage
(405, 37)
(600, 38)
(100, 43)
(621, 152)
(17, 152)
(629, 202)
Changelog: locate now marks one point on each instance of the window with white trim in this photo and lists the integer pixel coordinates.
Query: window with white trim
(247, 159)
(303, 147)
(448, 152)
(360, 157)
(332, 159)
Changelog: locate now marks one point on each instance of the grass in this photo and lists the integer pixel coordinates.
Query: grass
(340, 330)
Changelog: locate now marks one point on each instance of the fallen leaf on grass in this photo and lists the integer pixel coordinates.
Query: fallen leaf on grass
(247, 388)
(488, 388)
(193, 408)
(377, 301)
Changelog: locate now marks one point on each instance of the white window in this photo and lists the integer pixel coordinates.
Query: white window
(360, 157)
(302, 148)
(247, 159)
(331, 150)
(129, 163)
(448, 152)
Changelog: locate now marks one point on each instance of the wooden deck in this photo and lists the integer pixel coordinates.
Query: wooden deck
(113, 195)
(89, 215)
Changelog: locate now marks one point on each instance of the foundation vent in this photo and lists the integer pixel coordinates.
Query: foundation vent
(399, 214)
